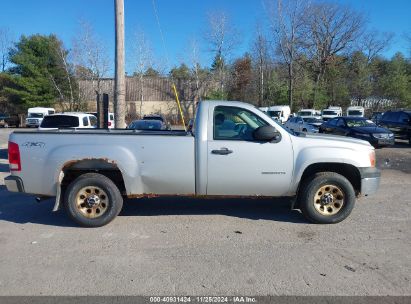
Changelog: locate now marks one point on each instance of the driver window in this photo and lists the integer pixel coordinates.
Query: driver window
(231, 123)
(340, 123)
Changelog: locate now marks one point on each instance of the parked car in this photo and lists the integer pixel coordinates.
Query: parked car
(159, 117)
(68, 120)
(148, 125)
(376, 117)
(7, 120)
(35, 116)
(398, 122)
(90, 171)
(300, 124)
(359, 127)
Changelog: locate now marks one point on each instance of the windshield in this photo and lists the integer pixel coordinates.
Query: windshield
(277, 124)
(354, 113)
(360, 123)
(274, 113)
(36, 115)
(305, 113)
(60, 121)
(153, 118)
(312, 120)
(145, 125)
(328, 112)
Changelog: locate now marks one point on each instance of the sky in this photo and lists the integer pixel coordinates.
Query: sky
(180, 20)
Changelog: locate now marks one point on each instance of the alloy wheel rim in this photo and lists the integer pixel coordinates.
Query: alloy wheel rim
(92, 201)
(329, 200)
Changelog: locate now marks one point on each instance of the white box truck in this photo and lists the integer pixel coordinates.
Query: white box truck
(35, 116)
(280, 113)
(356, 111)
(331, 112)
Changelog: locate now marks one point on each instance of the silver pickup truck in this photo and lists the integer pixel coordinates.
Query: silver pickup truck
(233, 149)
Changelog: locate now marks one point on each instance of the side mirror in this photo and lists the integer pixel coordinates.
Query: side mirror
(266, 133)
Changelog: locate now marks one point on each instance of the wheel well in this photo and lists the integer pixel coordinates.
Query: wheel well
(109, 169)
(350, 172)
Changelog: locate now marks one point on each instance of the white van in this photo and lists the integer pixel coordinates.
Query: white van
(110, 119)
(356, 111)
(331, 112)
(35, 116)
(309, 113)
(68, 120)
(280, 113)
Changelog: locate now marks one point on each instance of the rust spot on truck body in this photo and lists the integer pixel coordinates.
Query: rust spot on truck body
(72, 163)
(201, 196)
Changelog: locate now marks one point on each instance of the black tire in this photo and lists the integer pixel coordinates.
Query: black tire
(113, 202)
(310, 188)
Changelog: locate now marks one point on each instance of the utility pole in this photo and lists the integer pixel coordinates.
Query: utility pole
(120, 81)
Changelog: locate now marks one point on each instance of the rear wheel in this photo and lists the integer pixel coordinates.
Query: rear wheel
(326, 198)
(93, 200)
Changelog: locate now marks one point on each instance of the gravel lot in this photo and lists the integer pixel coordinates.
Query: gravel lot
(172, 246)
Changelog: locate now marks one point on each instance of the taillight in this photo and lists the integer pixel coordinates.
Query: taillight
(14, 157)
(372, 158)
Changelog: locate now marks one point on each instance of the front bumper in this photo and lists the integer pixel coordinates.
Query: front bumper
(14, 183)
(370, 180)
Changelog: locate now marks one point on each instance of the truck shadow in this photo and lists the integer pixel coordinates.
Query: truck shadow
(21, 209)
(250, 208)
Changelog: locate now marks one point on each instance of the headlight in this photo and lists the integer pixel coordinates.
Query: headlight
(382, 135)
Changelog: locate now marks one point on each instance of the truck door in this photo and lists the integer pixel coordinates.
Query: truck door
(239, 165)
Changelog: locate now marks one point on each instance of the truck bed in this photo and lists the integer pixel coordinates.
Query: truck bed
(106, 131)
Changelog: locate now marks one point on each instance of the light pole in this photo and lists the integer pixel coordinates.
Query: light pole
(120, 81)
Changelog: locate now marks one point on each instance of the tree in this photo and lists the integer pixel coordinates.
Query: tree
(359, 77)
(151, 72)
(90, 60)
(181, 72)
(374, 42)
(143, 61)
(5, 45)
(260, 51)
(396, 81)
(39, 72)
(287, 24)
(222, 38)
(241, 79)
(331, 29)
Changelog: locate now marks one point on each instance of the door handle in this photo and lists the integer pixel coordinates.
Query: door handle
(222, 151)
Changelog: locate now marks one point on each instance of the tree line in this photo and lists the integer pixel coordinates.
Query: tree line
(307, 54)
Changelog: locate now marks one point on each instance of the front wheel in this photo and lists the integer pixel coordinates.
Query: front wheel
(326, 198)
(93, 200)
